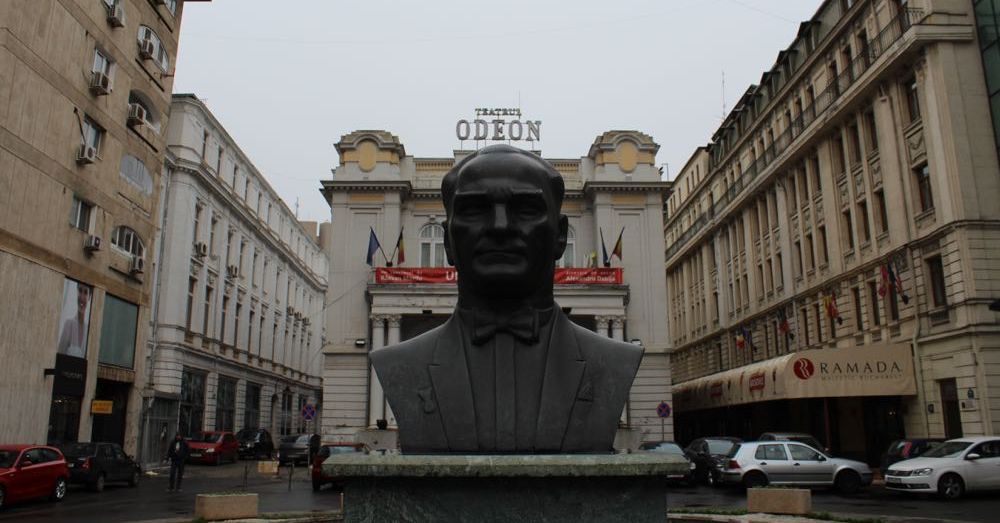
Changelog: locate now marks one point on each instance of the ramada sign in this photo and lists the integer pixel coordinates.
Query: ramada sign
(805, 369)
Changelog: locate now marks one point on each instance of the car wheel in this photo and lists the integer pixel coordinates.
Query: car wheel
(847, 482)
(98, 485)
(754, 479)
(59, 491)
(951, 486)
(710, 479)
(134, 479)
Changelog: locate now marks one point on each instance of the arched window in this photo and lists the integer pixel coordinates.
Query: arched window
(127, 241)
(432, 246)
(135, 172)
(159, 54)
(569, 255)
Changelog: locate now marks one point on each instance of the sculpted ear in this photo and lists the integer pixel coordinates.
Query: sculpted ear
(560, 246)
(447, 243)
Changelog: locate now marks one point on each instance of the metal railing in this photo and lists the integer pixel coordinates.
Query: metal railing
(875, 48)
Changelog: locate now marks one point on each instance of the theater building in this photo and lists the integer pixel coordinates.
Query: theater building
(832, 254)
(239, 287)
(378, 187)
(84, 100)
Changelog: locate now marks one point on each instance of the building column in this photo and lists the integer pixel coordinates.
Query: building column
(602, 325)
(376, 397)
(618, 328)
(393, 320)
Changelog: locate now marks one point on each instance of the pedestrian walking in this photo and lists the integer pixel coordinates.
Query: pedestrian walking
(177, 455)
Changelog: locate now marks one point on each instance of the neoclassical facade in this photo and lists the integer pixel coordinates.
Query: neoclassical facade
(240, 282)
(378, 187)
(832, 253)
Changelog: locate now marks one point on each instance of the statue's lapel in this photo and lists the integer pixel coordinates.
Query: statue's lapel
(564, 369)
(452, 388)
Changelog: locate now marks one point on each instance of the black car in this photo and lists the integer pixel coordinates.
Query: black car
(709, 455)
(907, 449)
(95, 464)
(255, 443)
(295, 448)
(669, 447)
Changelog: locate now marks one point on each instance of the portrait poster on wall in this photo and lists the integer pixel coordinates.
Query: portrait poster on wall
(74, 319)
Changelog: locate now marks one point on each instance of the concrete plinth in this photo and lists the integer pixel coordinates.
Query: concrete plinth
(549, 488)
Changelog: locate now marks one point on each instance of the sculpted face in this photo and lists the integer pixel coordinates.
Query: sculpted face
(504, 231)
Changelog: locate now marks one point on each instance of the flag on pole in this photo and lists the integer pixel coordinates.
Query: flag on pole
(748, 337)
(741, 340)
(604, 250)
(783, 326)
(897, 283)
(883, 287)
(617, 251)
(373, 247)
(830, 303)
(400, 251)
(592, 259)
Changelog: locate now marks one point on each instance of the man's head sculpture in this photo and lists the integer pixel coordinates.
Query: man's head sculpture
(508, 372)
(504, 230)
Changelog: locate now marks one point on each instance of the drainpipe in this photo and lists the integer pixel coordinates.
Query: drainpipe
(917, 364)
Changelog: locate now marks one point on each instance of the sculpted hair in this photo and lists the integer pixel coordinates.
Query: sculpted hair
(450, 179)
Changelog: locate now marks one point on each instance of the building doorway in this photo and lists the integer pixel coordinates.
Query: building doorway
(110, 428)
(949, 409)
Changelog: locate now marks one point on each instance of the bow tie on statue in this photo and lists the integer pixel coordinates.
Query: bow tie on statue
(523, 324)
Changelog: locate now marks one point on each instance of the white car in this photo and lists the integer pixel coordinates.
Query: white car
(950, 469)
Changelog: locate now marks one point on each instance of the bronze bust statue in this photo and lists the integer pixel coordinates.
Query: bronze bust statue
(508, 372)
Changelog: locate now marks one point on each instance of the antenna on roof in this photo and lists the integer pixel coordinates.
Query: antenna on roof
(296, 207)
(723, 95)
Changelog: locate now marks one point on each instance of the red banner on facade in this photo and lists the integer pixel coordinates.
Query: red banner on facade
(571, 276)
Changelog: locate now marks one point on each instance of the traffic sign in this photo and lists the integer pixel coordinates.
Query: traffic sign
(308, 412)
(663, 410)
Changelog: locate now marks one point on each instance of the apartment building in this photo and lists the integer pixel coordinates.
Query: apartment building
(832, 253)
(84, 99)
(239, 288)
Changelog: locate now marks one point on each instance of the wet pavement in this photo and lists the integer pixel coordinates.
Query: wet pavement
(150, 501)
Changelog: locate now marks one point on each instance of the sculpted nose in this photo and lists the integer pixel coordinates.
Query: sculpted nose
(500, 220)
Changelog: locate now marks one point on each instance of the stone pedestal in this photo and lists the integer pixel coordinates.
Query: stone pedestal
(502, 488)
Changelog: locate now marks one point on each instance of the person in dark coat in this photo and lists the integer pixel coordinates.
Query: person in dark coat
(177, 455)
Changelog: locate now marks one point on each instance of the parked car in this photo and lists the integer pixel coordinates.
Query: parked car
(669, 447)
(801, 437)
(325, 451)
(709, 455)
(950, 469)
(95, 464)
(30, 472)
(295, 448)
(903, 449)
(213, 447)
(761, 463)
(255, 443)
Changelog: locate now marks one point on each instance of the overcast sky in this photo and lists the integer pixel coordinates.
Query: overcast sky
(288, 78)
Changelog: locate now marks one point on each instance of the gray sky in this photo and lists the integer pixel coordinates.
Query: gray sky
(287, 78)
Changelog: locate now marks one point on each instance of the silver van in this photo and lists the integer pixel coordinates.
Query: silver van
(760, 463)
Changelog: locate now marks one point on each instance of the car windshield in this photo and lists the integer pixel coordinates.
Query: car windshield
(897, 447)
(77, 450)
(290, 439)
(7, 458)
(207, 437)
(948, 449)
(246, 434)
(720, 446)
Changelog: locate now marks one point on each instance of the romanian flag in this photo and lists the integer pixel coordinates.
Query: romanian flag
(400, 251)
(741, 340)
(783, 326)
(373, 247)
(830, 303)
(617, 251)
(604, 250)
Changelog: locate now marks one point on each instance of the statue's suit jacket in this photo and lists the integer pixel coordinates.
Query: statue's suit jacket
(586, 382)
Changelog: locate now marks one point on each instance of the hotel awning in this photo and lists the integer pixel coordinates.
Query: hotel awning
(873, 370)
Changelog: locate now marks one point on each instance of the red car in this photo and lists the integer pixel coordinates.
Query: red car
(31, 471)
(325, 451)
(213, 447)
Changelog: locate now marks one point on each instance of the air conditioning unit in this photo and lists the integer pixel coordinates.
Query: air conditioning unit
(137, 265)
(116, 15)
(100, 84)
(232, 271)
(290, 310)
(147, 49)
(201, 249)
(87, 154)
(136, 115)
(92, 243)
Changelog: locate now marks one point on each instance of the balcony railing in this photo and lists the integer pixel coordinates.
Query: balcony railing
(876, 48)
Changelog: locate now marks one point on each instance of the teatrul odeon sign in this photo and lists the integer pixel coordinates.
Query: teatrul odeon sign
(873, 370)
(499, 124)
(568, 276)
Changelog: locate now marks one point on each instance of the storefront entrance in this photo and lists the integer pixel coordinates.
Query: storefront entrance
(110, 428)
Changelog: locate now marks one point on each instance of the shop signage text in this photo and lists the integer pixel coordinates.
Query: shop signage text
(101, 406)
(498, 128)
(563, 276)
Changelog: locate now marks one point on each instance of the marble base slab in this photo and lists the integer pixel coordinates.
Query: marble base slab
(509, 488)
